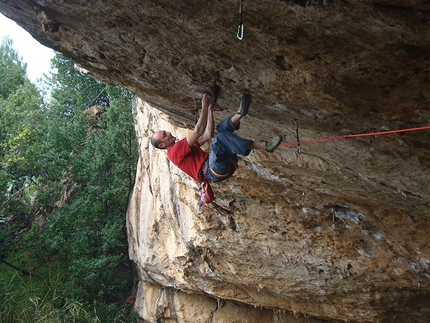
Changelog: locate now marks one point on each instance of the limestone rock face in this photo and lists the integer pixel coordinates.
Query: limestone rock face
(338, 232)
(302, 233)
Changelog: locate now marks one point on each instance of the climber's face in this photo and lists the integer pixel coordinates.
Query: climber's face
(165, 139)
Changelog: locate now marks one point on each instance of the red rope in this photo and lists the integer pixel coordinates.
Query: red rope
(293, 143)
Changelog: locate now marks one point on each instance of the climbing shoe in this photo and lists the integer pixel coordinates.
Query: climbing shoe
(244, 104)
(273, 143)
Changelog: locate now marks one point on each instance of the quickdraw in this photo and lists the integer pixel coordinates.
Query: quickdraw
(296, 124)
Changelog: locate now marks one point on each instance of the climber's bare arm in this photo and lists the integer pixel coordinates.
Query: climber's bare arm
(209, 130)
(201, 125)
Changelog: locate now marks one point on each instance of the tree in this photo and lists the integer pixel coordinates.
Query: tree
(76, 171)
(12, 69)
(98, 158)
(20, 103)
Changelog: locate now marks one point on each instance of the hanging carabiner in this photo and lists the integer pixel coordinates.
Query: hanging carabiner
(239, 33)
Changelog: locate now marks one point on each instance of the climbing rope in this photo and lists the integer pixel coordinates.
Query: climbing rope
(368, 134)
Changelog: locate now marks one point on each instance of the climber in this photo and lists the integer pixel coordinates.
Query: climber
(221, 162)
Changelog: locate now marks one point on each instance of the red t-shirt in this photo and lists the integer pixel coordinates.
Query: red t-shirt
(188, 159)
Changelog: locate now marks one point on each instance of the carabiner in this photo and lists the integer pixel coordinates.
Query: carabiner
(239, 33)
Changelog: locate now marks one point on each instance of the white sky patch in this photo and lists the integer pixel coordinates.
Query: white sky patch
(37, 56)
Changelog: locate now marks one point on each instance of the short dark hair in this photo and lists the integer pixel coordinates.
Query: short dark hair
(155, 142)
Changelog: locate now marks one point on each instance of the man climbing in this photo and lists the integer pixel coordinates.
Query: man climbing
(221, 162)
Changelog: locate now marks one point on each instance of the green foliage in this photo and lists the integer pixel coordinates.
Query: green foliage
(72, 172)
(20, 141)
(25, 299)
(12, 69)
(20, 116)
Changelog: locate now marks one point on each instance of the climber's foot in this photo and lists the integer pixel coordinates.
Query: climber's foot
(273, 143)
(244, 104)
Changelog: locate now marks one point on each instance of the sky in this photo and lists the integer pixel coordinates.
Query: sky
(37, 56)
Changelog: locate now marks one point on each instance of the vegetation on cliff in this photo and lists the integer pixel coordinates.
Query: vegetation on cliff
(65, 177)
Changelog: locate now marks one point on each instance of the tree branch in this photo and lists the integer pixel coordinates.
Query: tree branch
(25, 272)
